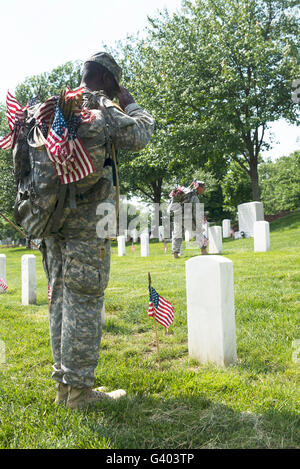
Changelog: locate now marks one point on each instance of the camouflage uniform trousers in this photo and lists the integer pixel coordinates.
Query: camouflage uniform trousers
(177, 243)
(179, 230)
(78, 273)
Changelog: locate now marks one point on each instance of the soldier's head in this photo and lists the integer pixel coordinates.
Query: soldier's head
(101, 72)
(199, 186)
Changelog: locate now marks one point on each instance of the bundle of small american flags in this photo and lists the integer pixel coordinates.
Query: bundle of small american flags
(65, 148)
(3, 286)
(160, 309)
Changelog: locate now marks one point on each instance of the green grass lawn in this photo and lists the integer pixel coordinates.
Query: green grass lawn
(254, 404)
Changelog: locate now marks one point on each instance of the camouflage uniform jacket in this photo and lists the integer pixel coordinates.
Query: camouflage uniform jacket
(130, 130)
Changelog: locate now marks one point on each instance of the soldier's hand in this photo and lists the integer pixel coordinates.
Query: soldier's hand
(124, 97)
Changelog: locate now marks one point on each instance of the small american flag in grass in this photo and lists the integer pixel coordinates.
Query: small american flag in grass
(3, 286)
(163, 311)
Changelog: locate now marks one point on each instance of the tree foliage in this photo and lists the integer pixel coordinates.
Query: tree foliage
(214, 76)
(50, 83)
(280, 183)
(236, 188)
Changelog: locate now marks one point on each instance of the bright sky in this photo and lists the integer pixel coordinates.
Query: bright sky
(38, 35)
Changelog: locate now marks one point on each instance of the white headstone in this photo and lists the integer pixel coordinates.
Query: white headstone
(135, 236)
(28, 279)
(226, 228)
(121, 246)
(144, 244)
(3, 267)
(261, 236)
(161, 233)
(215, 239)
(248, 214)
(187, 236)
(210, 310)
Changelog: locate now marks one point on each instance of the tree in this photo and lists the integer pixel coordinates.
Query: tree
(236, 188)
(221, 72)
(50, 83)
(280, 183)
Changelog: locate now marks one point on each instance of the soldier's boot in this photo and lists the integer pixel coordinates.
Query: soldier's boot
(62, 394)
(82, 397)
(175, 255)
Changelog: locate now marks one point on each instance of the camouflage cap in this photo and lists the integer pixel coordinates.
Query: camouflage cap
(108, 62)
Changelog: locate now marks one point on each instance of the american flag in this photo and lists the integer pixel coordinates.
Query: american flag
(15, 117)
(15, 114)
(33, 101)
(3, 286)
(66, 150)
(71, 94)
(163, 311)
(6, 142)
(14, 110)
(46, 111)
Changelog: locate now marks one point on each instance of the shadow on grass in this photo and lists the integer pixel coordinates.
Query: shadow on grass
(289, 222)
(20, 250)
(113, 327)
(262, 367)
(189, 422)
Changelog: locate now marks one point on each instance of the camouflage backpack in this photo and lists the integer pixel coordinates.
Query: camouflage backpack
(41, 196)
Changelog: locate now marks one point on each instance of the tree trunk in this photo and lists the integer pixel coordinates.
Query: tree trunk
(156, 187)
(254, 181)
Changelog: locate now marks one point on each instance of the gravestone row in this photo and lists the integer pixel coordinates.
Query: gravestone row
(210, 305)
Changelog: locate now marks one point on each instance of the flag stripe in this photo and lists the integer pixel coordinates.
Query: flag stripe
(70, 94)
(5, 142)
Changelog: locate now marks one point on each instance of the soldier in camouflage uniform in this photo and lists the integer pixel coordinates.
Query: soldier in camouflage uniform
(77, 261)
(180, 197)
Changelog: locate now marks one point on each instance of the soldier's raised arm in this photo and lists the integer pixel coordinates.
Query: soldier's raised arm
(131, 126)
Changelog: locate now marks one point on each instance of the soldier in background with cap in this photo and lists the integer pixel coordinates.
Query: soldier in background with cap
(179, 197)
(77, 261)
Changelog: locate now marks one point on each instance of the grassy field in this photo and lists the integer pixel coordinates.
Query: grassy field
(254, 404)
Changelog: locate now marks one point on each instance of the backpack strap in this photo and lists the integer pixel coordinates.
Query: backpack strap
(111, 159)
(57, 214)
